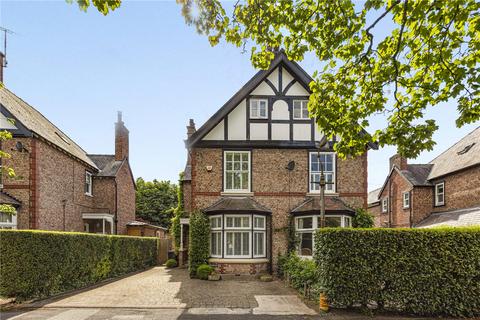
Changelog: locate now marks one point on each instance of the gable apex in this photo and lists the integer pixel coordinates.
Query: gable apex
(300, 76)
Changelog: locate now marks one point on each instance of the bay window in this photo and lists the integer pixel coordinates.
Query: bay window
(238, 236)
(325, 160)
(237, 171)
(305, 227)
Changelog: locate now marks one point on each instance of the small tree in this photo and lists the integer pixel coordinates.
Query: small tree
(199, 242)
(177, 214)
(363, 219)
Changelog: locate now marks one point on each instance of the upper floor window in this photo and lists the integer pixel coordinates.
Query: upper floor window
(300, 109)
(325, 161)
(406, 199)
(88, 183)
(237, 171)
(385, 204)
(440, 194)
(258, 109)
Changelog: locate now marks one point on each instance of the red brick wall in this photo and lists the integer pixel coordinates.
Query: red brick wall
(47, 177)
(126, 198)
(19, 186)
(462, 190)
(422, 203)
(273, 186)
(396, 186)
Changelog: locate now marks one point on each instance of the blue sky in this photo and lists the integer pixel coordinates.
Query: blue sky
(79, 68)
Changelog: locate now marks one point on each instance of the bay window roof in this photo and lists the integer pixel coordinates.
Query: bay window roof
(236, 205)
(332, 205)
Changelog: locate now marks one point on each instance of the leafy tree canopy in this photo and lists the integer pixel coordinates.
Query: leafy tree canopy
(156, 201)
(103, 6)
(430, 56)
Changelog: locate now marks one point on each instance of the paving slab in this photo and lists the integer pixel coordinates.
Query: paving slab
(281, 305)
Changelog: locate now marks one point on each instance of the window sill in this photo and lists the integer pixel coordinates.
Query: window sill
(236, 194)
(238, 260)
(327, 194)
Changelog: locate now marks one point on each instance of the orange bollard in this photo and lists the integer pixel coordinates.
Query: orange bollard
(323, 302)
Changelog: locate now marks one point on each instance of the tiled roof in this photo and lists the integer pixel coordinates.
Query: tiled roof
(313, 204)
(106, 163)
(5, 198)
(236, 204)
(373, 196)
(463, 154)
(38, 124)
(454, 218)
(417, 174)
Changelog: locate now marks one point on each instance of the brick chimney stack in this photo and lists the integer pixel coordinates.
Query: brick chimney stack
(121, 139)
(191, 128)
(399, 161)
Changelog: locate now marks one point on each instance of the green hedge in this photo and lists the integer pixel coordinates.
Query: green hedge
(419, 271)
(199, 242)
(43, 263)
(300, 272)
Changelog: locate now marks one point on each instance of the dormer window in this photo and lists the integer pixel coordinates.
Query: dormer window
(300, 110)
(258, 109)
(88, 183)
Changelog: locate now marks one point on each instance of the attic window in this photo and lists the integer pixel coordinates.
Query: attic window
(63, 138)
(466, 149)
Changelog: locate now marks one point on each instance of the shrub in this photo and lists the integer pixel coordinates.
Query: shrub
(171, 263)
(363, 219)
(42, 263)
(419, 271)
(300, 272)
(203, 271)
(175, 228)
(199, 242)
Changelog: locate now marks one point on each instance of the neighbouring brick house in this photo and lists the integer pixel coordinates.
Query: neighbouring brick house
(445, 191)
(58, 186)
(253, 167)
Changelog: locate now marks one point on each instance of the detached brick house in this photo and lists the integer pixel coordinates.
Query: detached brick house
(253, 167)
(444, 192)
(58, 186)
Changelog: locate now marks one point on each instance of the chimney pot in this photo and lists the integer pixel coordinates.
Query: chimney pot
(191, 128)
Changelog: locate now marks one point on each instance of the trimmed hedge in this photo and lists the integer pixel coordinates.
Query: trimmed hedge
(199, 242)
(419, 271)
(43, 263)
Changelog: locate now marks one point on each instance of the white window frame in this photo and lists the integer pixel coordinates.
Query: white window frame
(316, 225)
(385, 204)
(332, 173)
(89, 182)
(216, 230)
(241, 170)
(406, 199)
(437, 193)
(260, 230)
(258, 115)
(303, 106)
(234, 230)
(9, 225)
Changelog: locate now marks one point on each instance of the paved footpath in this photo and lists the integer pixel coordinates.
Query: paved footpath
(170, 295)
